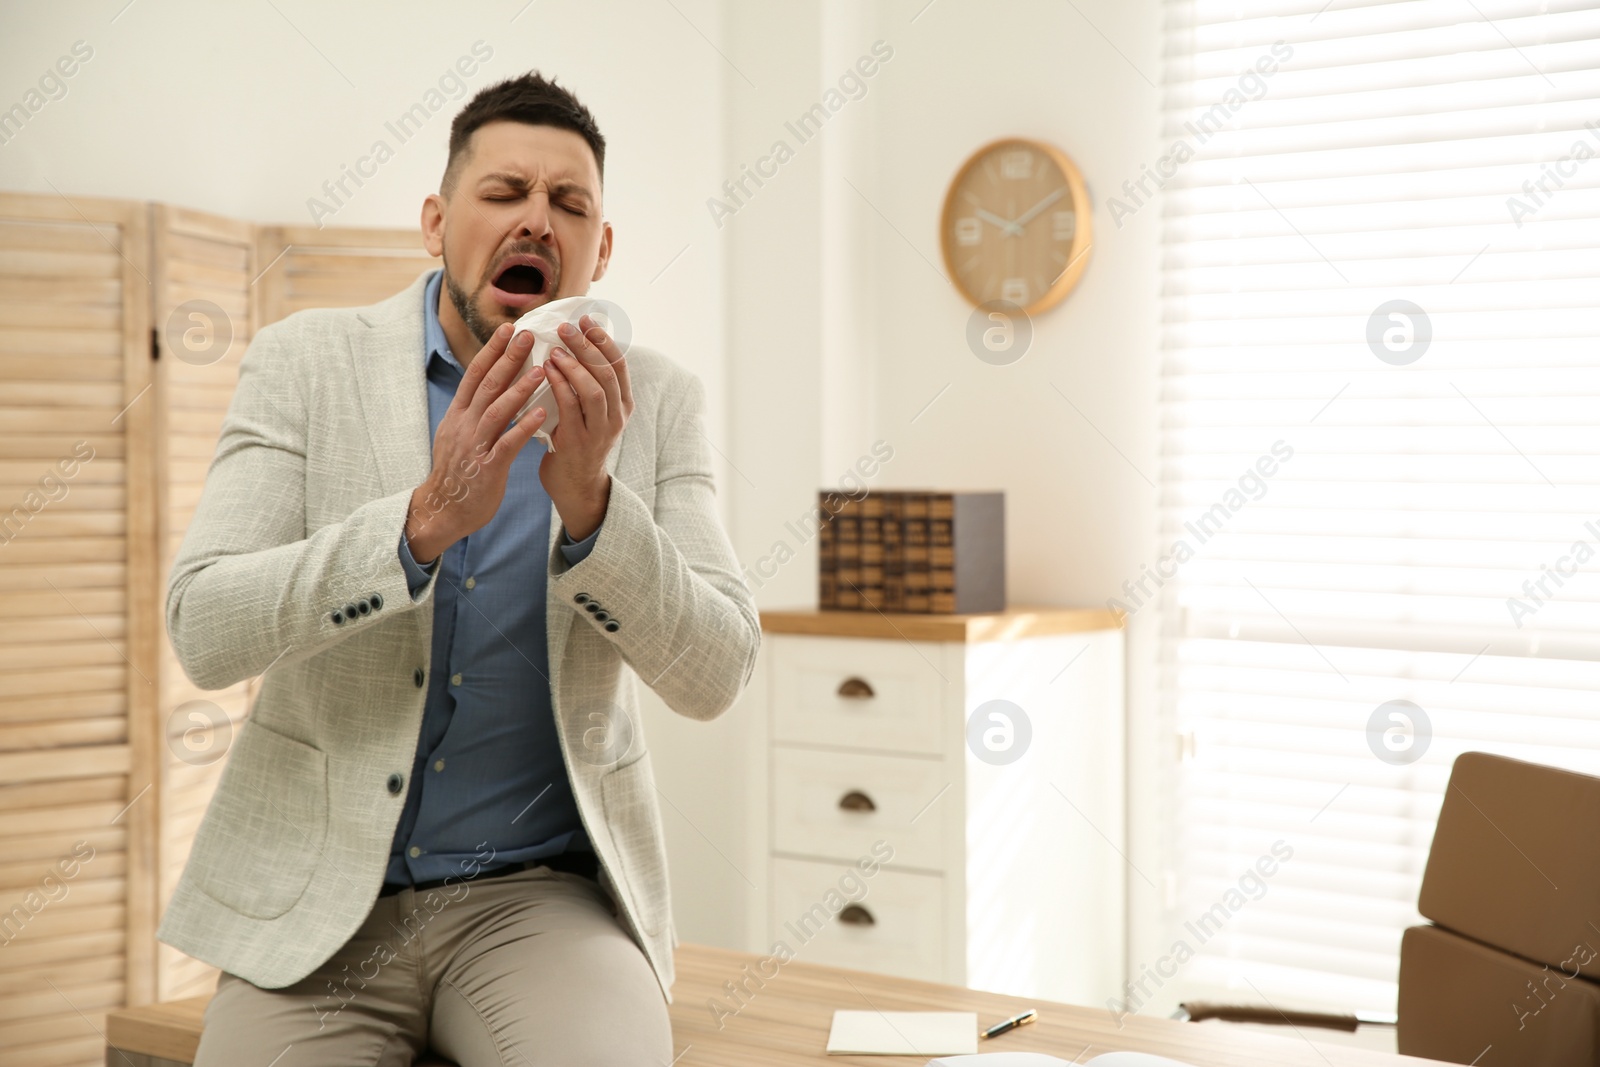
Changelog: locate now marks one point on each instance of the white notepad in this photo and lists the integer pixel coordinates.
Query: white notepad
(1039, 1059)
(1002, 1059)
(903, 1033)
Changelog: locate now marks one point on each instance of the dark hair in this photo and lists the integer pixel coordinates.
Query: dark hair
(529, 98)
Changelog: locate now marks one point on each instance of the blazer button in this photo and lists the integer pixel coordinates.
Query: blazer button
(337, 617)
(377, 601)
(364, 607)
(418, 677)
(601, 616)
(350, 611)
(580, 598)
(592, 606)
(612, 626)
(395, 782)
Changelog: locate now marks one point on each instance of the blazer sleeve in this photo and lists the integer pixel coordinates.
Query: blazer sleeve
(250, 587)
(687, 623)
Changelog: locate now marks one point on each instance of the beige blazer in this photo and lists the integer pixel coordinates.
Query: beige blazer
(301, 516)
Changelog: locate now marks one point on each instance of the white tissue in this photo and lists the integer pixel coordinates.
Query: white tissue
(542, 322)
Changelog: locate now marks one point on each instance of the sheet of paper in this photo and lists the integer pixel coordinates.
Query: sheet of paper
(1039, 1059)
(1002, 1059)
(903, 1033)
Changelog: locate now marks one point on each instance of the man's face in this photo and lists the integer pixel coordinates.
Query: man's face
(521, 225)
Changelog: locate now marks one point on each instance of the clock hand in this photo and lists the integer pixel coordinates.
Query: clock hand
(1029, 215)
(1007, 226)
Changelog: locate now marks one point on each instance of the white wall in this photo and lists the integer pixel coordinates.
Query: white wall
(841, 327)
(241, 110)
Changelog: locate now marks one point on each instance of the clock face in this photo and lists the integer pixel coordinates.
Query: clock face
(1016, 225)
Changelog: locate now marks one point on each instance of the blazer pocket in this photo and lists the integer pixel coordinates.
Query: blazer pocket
(261, 838)
(628, 794)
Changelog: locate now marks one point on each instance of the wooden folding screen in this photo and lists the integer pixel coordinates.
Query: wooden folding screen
(334, 268)
(80, 621)
(121, 329)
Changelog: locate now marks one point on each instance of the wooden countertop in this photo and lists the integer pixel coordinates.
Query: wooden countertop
(988, 626)
(785, 1023)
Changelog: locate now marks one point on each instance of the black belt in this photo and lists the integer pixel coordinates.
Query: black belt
(584, 863)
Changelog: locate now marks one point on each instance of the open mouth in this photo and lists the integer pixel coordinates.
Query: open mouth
(522, 281)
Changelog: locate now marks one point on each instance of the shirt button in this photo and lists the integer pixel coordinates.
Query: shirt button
(395, 782)
(472, 583)
(438, 765)
(455, 679)
(414, 852)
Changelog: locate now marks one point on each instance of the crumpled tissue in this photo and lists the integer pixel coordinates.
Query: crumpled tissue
(543, 322)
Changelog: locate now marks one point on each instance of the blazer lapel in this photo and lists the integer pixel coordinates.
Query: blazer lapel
(386, 350)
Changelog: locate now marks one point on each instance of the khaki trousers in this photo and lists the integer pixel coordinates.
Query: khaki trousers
(527, 969)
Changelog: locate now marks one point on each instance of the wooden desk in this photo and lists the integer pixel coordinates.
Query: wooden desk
(786, 1024)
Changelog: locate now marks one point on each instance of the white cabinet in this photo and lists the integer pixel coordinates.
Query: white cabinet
(1003, 838)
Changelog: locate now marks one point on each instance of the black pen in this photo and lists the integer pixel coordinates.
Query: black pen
(1012, 1023)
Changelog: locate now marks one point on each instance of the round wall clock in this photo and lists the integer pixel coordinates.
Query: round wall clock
(1016, 225)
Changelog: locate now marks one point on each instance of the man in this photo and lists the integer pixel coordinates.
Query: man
(439, 826)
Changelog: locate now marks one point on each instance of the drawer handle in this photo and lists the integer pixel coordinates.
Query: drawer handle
(855, 689)
(855, 800)
(856, 915)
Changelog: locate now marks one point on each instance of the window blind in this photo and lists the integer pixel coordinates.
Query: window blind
(1380, 457)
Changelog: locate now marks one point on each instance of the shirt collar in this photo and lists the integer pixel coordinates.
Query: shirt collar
(434, 342)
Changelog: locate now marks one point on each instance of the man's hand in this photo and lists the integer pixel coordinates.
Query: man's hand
(473, 449)
(594, 399)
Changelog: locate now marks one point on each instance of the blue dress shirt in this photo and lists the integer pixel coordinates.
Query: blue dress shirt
(488, 770)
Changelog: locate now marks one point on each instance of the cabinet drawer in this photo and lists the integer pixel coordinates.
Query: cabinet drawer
(859, 693)
(905, 936)
(808, 817)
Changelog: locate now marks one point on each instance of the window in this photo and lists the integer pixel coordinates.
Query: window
(1380, 481)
